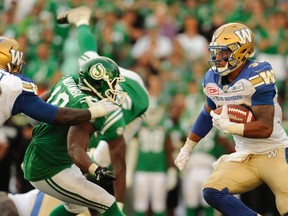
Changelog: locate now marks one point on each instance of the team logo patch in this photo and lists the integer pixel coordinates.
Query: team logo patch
(97, 71)
(212, 91)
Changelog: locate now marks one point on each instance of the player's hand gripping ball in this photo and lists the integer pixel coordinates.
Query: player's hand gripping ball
(238, 113)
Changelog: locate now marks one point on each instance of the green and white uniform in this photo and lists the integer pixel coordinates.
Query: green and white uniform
(151, 166)
(47, 164)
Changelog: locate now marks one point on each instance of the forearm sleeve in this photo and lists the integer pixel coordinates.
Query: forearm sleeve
(203, 124)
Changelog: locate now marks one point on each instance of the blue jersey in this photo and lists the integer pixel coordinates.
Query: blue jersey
(255, 85)
(19, 95)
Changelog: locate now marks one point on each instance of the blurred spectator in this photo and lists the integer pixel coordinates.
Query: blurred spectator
(176, 71)
(272, 45)
(194, 44)
(152, 44)
(165, 23)
(8, 25)
(177, 133)
(42, 67)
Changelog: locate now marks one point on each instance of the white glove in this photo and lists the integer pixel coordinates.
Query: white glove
(223, 123)
(171, 178)
(184, 154)
(100, 108)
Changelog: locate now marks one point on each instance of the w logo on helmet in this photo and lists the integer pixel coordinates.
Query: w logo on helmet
(244, 35)
(97, 71)
(16, 57)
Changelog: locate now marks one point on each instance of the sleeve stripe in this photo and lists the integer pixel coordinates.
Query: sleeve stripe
(111, 120)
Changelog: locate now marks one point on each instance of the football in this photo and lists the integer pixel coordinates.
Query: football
(238, 113)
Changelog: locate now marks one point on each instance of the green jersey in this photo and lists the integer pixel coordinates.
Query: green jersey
(135, 105)
(47, 154)
(152, 136)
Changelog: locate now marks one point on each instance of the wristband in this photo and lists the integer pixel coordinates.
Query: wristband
(236, 129)
(93, 111)
(92, 168)
(189, 145)
(120, 205)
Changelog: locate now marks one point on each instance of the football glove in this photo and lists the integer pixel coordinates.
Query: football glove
(223, 123)
(103, 174)
(184, 154)
(100, 108)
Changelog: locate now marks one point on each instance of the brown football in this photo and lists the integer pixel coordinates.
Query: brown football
(238, 113)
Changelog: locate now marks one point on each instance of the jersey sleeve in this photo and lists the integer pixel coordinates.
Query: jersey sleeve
(34, 107)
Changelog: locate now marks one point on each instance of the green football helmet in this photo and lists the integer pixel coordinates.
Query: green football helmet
(101, 75)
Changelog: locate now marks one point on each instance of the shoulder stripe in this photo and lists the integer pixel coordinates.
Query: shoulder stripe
(256, 81)
(30, 87)
(111, 120)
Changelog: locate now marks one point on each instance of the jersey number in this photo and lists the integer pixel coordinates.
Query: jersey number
(60, 99)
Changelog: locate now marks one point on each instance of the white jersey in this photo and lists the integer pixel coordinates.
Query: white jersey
(11, 87)
(255, 79)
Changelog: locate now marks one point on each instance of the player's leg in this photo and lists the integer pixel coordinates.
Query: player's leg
(77, 193)
(227, 179)
(100, 154)
(276, 179)
(80, 17)
(193, 180)
(141, 193)
(159, 193)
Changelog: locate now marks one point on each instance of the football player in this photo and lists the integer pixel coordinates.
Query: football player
(56, 155)
(261, 154)
(19, 94)
(122, 124)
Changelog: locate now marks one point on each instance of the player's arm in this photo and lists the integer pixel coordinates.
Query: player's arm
(36, 108)
(263, 109)
(77, 141)
(117, 149)
(200, 129)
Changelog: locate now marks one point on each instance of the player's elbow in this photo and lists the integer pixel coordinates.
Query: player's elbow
(267, 131)
(72, 151)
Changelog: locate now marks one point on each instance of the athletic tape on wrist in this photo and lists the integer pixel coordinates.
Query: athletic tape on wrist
(92, 168)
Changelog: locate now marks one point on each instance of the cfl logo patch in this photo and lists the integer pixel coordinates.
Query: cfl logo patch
(272, 154)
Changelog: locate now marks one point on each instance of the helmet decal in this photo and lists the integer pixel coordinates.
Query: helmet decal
(16, 56)
(244, 36)
(97, 71)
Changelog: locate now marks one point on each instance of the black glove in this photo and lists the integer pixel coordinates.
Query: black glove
(104, 175)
